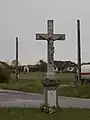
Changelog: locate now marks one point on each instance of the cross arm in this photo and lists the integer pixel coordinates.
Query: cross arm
(58, 36)
(41, 36)
(50, 37)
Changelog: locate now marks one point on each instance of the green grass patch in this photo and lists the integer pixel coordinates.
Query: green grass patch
(35, 114)
(78, 91)
(33, 87)
(65, 78)
(31, 82)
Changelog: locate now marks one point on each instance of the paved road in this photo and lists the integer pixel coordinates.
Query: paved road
(21, 99)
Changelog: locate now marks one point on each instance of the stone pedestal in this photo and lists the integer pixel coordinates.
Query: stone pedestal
(51, 97)
(50, 90)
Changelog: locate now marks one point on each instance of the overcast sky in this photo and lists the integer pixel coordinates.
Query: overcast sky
(23, 18)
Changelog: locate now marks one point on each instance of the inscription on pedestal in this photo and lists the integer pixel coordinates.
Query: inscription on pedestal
(51, 97)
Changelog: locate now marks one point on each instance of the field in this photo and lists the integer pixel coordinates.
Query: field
(31, 82)
(35, 114)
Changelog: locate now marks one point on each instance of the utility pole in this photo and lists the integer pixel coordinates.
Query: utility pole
(17, 72)
(79, 51)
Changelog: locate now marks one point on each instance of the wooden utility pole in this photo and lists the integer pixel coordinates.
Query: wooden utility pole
(79, 51)
(17, 72)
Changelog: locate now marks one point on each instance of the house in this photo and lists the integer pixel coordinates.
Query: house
(62, 66)
(26, 68)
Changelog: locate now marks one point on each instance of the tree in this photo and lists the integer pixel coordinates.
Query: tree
(41, 61)
(41, 66)
(13, 63)
(7, 62)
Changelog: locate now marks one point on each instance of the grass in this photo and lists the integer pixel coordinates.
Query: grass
(31, 82)
(28, 82)
(38, 77)
(78, 91)
(35, 114)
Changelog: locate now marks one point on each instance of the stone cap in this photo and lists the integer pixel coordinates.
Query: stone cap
(48, 82)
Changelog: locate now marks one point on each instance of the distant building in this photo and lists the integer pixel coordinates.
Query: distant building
(62, 66)
(72, 69)
(26, 69)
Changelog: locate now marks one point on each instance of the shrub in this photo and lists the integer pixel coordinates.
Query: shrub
(4, 75)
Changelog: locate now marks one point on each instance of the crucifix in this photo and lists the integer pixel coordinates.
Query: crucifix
(50, 83)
